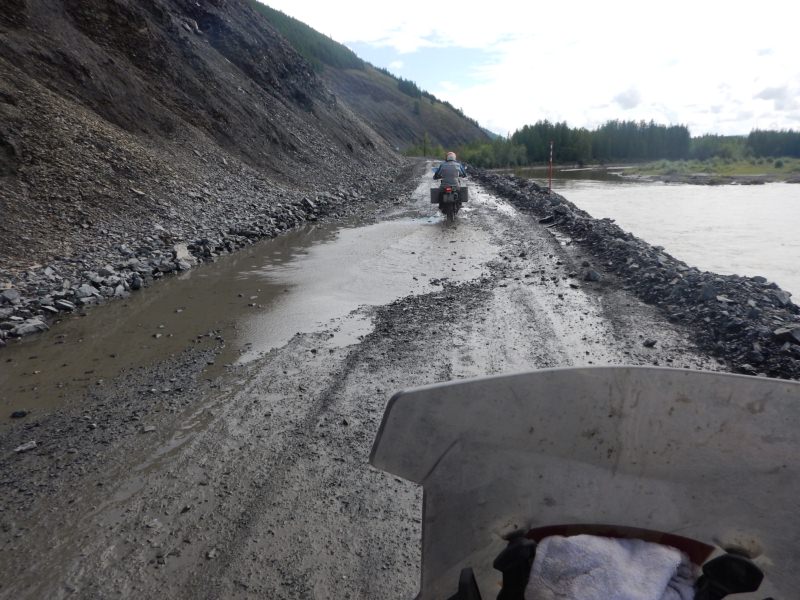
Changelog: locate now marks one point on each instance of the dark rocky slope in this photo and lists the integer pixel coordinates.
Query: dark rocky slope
(401, 119)
(118, 111)
(748, 322)
(139, 137)
(397, 109)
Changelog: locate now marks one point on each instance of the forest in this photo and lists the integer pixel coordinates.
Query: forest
(624, 141)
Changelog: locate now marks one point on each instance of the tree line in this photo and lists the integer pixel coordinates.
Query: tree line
(774, 143)
(623, 141)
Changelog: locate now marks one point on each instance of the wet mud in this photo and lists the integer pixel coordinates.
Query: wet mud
(233, 461)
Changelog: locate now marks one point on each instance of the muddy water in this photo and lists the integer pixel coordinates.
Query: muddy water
(360, 267)
(319, 278)
(730, 229)
(733, 229)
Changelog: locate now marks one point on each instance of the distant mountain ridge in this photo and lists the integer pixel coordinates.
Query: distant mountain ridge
(396, 108)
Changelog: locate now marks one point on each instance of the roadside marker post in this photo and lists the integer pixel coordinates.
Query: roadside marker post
(550, 170)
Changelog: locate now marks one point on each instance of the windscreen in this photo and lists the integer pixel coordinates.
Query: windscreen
(707, 456)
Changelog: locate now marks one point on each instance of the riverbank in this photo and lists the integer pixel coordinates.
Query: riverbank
(710, 179)
(748, 322)
(693, 172)
(717, 171)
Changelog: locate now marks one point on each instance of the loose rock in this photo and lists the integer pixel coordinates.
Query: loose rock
(727, 313)
(26, 447)
(592, 275)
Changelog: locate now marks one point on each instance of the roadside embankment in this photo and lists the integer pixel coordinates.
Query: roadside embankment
(748, 322)
(139, 138)
(119, 257)
(712, 179)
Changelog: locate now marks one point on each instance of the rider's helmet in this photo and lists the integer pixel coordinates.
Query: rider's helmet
(450, 156)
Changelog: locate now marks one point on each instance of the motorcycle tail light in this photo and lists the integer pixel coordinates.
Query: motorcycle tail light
(448, 189)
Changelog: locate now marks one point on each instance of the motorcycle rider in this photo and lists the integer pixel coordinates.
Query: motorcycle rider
(450, 170)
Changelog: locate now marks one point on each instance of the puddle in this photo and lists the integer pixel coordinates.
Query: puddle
(370, 265)
(310, 280)
(482, 198)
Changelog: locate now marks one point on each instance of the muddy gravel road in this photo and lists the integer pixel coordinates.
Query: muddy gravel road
(209, 438)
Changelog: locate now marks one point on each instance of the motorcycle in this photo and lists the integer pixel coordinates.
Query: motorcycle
(449, 197)
(699, 461)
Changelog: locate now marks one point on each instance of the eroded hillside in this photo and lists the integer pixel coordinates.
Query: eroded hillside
(114, 113)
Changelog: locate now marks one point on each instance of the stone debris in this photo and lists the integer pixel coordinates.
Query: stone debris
(111, 192)
(748, 322)
(789, 334)
(592, 275)
(26, 447)
(29, 299)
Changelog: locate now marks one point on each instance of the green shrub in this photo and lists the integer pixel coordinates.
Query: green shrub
(778, 164)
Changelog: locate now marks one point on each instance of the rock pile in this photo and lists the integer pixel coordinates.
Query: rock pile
(747, 321)
(29, 299)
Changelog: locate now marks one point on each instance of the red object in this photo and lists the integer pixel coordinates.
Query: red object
(448, 189)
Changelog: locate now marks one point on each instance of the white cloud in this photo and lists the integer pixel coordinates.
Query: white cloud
(698, 63)
(628, 99)
(396, 64)
(783, 98)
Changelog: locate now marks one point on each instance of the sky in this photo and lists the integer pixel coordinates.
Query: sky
(717, 66)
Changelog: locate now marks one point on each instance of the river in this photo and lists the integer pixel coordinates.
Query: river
(730, 229)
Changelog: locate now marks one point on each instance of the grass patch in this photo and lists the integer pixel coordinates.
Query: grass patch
(716, 166)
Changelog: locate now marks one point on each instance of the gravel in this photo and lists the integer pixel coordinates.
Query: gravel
(749, 322)
(33, 297)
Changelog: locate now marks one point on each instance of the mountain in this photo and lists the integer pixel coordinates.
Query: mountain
(396, 108)
(187, 118)
(117, 114)
(402, 119)
(176, 68)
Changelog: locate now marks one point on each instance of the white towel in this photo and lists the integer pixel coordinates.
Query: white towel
(587, 567)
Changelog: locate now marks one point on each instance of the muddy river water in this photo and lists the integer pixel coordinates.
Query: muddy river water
(729, 229)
